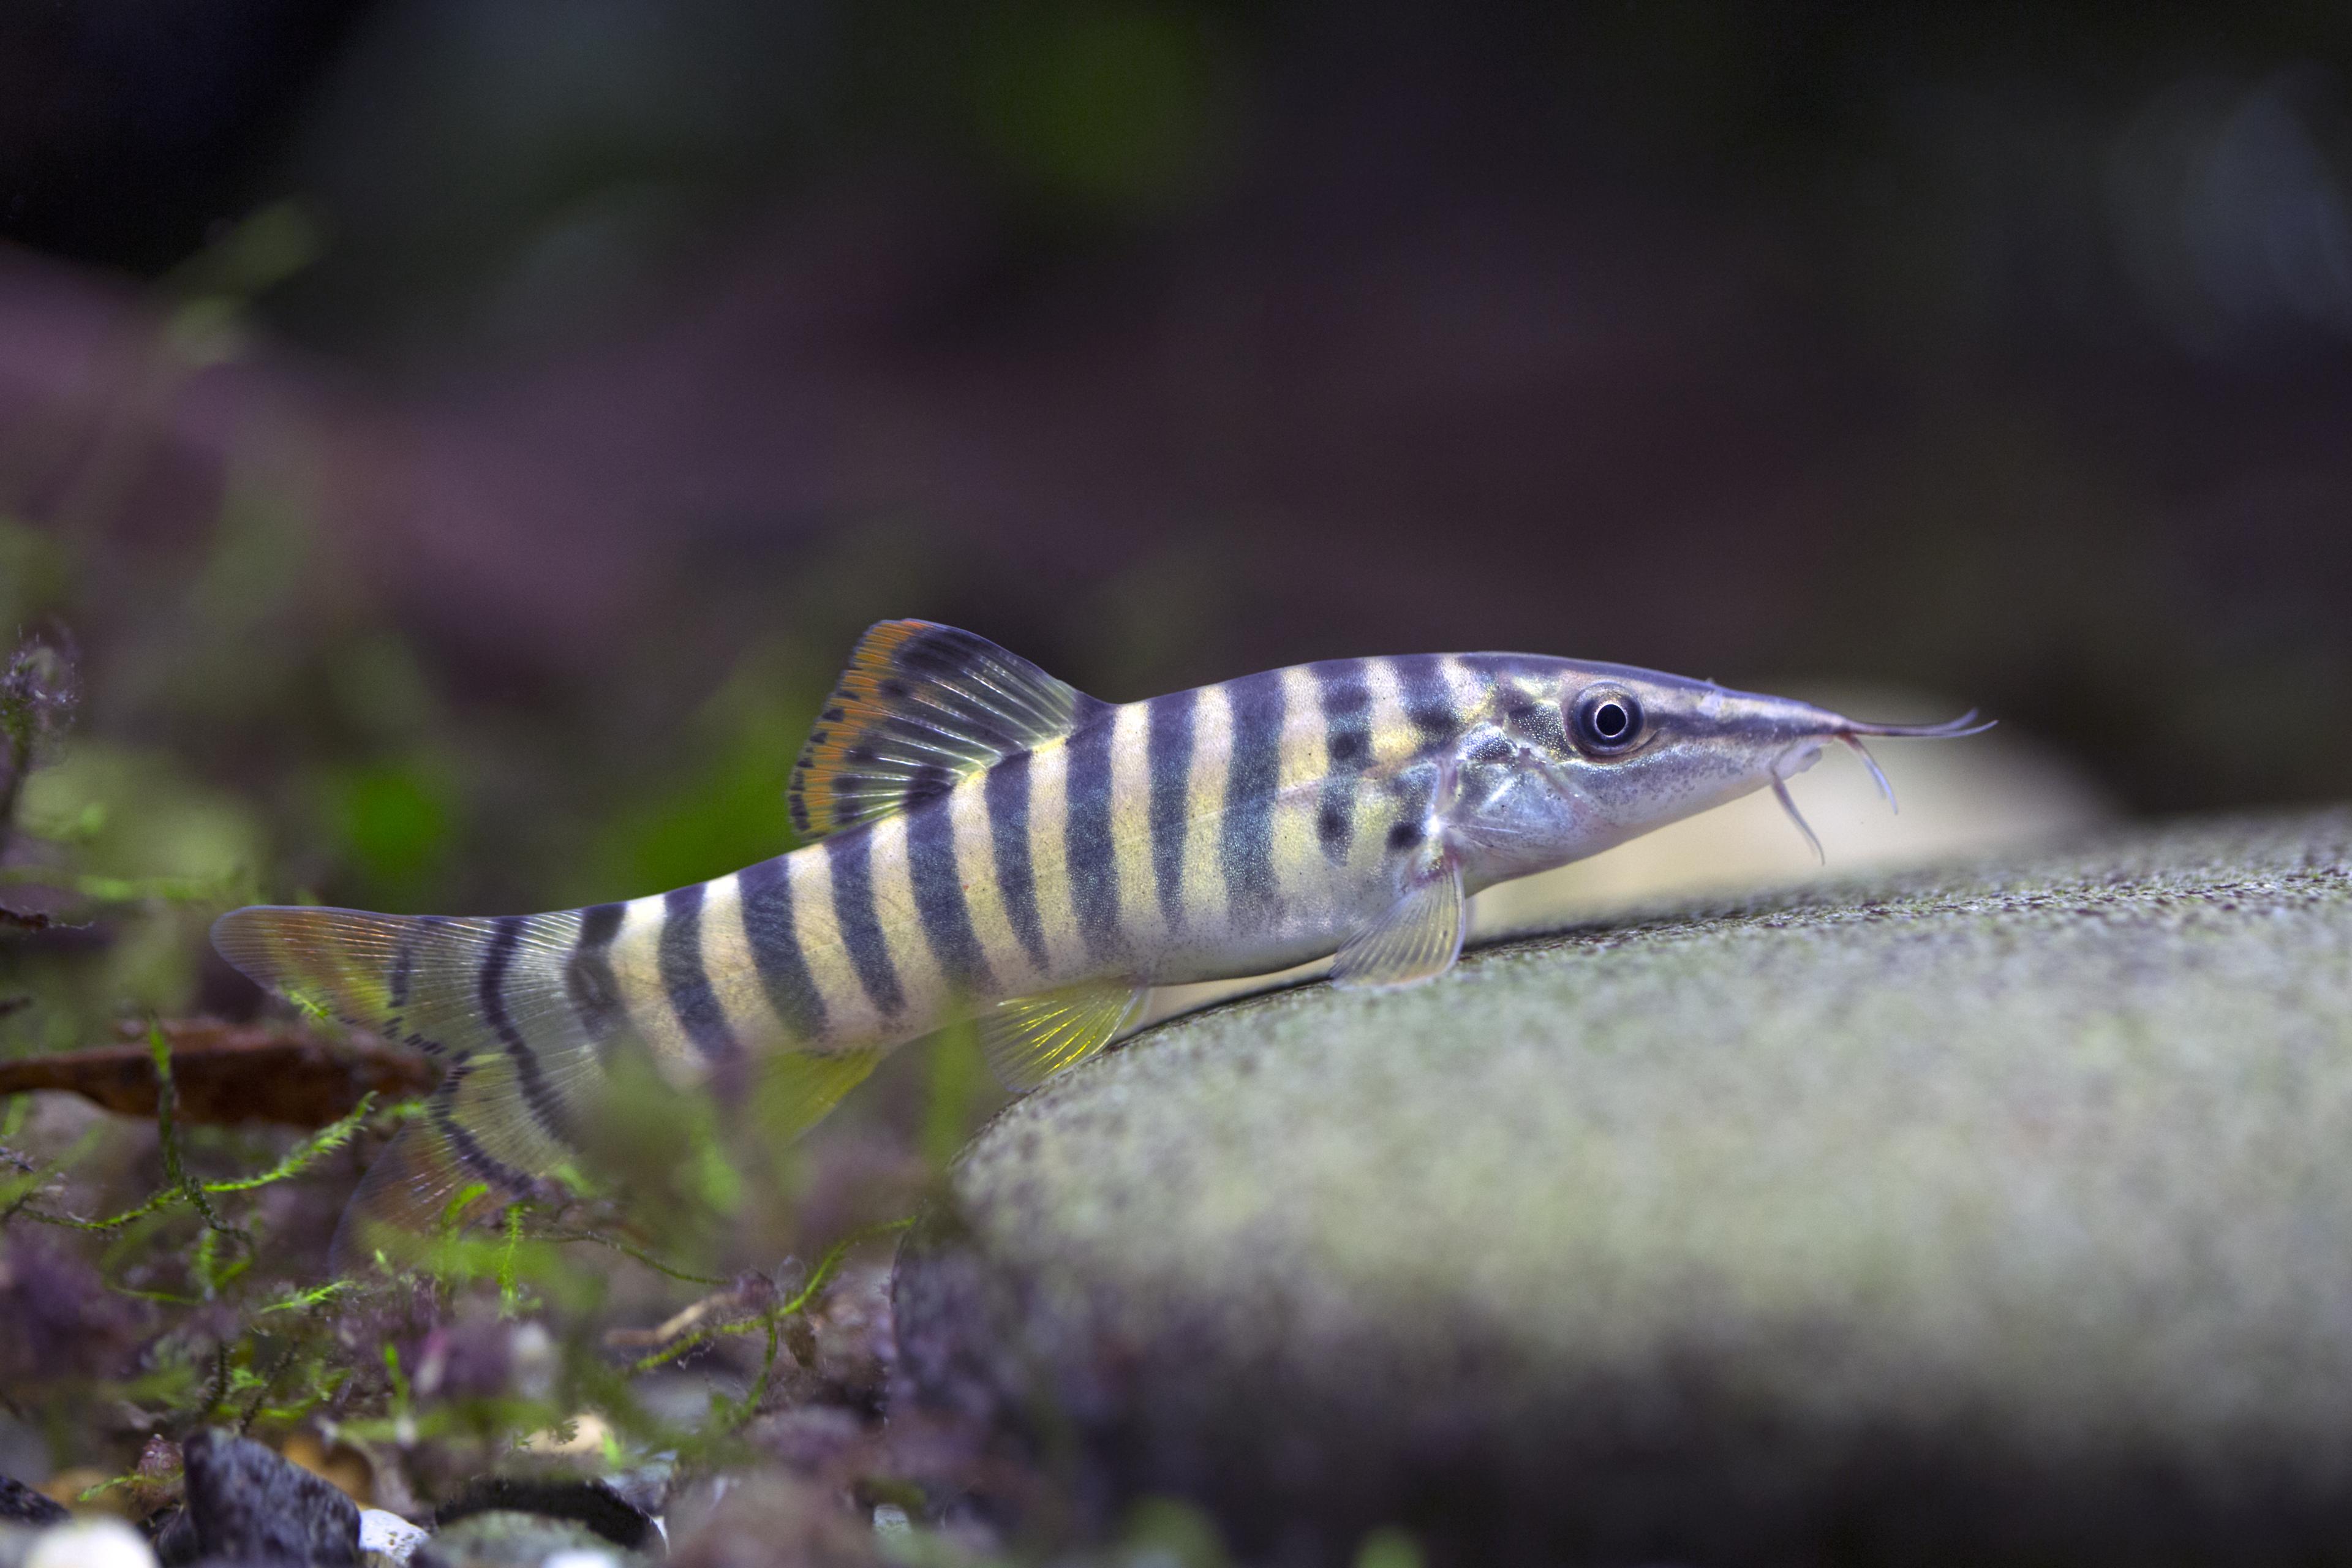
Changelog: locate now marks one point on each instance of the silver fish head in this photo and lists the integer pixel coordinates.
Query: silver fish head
(1575, 758)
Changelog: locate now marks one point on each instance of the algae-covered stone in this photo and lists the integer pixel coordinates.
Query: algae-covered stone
(504, 1538)
(2001, 1214)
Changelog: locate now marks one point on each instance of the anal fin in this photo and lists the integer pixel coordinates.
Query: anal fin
(1415, 939)
(1030, 1038)
(792, 1090)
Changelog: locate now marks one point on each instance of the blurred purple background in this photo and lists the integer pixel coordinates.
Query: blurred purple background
(469, 432)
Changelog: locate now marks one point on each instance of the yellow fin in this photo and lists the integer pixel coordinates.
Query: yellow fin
(1416, 939)
(920, 707)
(1030, 1038)
(793, 1089)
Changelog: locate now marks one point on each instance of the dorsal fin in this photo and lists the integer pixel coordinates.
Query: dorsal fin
(921, 706)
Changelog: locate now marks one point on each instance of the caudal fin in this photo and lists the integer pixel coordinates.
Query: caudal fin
(515, 1008)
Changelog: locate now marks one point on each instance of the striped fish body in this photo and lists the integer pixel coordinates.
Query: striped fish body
(989, 843)
(1228, 830)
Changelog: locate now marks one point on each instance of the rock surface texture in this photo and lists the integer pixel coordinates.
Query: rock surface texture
(1997, 1215)
(20, 1504)
(245, 1504)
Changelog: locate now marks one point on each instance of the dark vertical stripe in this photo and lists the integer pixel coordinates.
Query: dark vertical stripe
(403, 958)
(401, 979)
(686, 979)
(1245, 847)
(768, 926)
(538, 1098)
(478, 1161)
(1428, 700)
(1347, 701)
(850, 856)
(1006, 795)
(1167, 757)
(588, 977)
(1086, 846)
(939, 900)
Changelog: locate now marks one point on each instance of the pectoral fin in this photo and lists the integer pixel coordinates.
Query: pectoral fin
(1417, 938)
(1029, 1038)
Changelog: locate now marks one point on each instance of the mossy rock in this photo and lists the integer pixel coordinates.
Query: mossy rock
(2003, 1213)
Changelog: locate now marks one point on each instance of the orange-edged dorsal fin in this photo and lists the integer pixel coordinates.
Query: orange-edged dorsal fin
(920, 707)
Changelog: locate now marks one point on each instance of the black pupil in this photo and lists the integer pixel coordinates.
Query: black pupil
(1610, 721)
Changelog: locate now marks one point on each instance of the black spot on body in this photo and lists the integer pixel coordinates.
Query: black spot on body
(929, 782)
(1346, 702)
(1404, 836)
(1345, 693)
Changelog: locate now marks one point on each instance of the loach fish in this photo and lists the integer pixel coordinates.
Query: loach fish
(986, 842)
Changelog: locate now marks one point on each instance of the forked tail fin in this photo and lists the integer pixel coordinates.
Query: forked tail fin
(515, 1008)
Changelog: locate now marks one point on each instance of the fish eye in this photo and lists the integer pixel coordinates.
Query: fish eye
(1608, 720)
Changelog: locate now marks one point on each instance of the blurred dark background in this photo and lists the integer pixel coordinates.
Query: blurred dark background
(463, 437)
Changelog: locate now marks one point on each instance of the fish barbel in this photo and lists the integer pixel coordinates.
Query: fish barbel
(987, 843)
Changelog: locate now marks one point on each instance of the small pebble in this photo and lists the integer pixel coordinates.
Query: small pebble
(389, 1535)
(508, 1538)
(21, 1504)
(91, 1543)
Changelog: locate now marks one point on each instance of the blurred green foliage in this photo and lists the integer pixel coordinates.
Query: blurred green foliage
(395, 819)
(1115, 106)
(191, 724)
(33, 575)
(724, 809)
